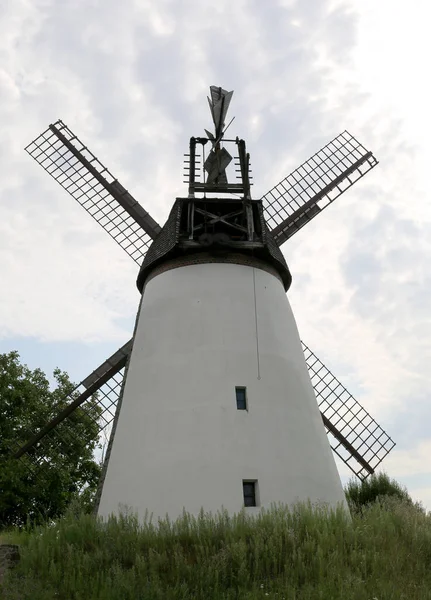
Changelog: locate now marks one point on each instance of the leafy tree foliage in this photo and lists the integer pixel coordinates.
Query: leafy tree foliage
(41, 484)
(377, 486)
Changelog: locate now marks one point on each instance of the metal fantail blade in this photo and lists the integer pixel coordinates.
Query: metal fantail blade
(219, 104)
(219, 158)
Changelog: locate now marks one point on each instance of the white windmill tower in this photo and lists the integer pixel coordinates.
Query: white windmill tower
(217, 407)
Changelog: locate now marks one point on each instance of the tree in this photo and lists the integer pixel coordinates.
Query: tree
(361, 493)
(42, 483)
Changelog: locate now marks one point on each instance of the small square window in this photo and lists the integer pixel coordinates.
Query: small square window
(241, 398)
(249, 491)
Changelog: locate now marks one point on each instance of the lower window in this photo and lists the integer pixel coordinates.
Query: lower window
(249, 488)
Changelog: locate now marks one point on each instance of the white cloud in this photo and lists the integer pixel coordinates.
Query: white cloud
(45, 294)
(407, 462)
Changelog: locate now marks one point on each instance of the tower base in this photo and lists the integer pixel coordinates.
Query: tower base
(181, 439)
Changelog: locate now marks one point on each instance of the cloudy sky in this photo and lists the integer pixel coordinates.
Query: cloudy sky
(131, 79)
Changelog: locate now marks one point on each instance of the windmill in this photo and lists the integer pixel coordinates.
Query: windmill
(211, 402)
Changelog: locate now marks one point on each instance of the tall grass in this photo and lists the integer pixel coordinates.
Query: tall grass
(304, 553)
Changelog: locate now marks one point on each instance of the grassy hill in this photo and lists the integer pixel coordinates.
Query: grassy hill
(383, 553)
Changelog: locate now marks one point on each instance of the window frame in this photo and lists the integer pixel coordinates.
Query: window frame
(244, 389)
(254, 496)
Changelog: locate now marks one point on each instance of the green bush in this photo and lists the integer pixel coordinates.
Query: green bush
(372, 489)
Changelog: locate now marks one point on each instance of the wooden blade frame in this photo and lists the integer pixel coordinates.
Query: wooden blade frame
(107, 382)
(353, 434)
(61, 153)
(315, 184)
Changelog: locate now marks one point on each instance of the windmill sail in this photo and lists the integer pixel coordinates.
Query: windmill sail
(105, 381)
(62, 154)
(315, 184)
(353, 434)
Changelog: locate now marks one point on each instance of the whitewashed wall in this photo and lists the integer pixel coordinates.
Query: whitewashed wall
(180, 440)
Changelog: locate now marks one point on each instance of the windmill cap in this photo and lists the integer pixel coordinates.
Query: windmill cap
(214, 248)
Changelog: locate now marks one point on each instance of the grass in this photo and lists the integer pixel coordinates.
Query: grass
(383, 552)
